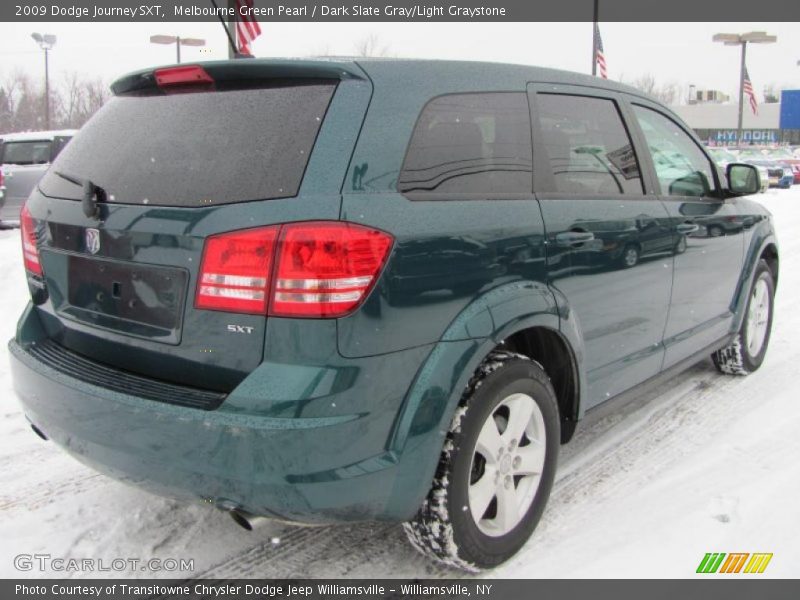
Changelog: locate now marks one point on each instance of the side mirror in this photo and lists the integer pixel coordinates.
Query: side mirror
(742, 179)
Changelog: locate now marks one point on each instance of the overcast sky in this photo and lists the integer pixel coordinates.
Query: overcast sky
(681, 52)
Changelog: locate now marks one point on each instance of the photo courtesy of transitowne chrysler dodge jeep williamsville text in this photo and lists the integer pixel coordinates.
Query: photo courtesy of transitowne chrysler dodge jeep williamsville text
(345, 290)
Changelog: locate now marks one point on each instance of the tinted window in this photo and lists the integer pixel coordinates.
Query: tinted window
(589, 149)
(471, 144)
(681, 167)
(195, 149)
(26, 153)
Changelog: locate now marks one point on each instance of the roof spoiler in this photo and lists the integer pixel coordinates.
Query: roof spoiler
(244, 73)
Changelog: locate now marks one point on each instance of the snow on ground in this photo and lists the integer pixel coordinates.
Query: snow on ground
(705, 463)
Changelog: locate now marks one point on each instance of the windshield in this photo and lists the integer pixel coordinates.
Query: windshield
(27, 153)
(195, 149)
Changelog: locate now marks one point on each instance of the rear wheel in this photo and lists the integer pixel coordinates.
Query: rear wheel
(496, 469)
(748, 349)
(630, 256)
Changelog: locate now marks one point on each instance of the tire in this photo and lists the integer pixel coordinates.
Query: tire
(715, 231)
(680, 246)
(630, 256)
(747, 351)
(445, 529)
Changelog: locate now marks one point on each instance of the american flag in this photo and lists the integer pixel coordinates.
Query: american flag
(747, 86)
(247, 27)
(599, 56)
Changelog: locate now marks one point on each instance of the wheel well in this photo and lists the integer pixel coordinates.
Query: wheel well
(549, 349)
(770, 256)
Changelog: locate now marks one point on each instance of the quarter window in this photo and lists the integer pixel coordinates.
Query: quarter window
(681, 167)
(589, 149)
(470, 144)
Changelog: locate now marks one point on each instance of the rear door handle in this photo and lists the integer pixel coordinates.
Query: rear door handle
(687, 227)
(573, 238)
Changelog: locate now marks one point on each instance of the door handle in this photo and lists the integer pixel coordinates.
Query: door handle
(573, 238)
(687, 227)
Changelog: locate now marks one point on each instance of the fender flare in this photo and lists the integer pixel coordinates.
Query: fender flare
(425, 417)
(761, 239)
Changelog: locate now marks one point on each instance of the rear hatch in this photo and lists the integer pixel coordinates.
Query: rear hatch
(176, 156)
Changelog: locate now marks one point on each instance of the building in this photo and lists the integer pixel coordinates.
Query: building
(716, 123)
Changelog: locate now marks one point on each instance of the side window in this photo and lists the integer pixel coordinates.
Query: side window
(588, 146)
(471, 144)
(681, 167)
(58, 145)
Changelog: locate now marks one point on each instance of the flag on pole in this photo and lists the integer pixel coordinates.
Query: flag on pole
(747, 85)
(247, 27)
(599, 56)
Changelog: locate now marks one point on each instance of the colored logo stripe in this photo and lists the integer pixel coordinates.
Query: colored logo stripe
(710, 562)
(758, 563)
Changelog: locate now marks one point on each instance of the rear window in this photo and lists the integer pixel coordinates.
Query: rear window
(195, 149)
(471, 144)
(26, 153)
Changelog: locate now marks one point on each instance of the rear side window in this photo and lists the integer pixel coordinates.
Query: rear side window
(195, 149)
(470, 144)
(27, 153)
(589, 149)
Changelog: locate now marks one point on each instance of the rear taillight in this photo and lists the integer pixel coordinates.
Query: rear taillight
(2, 181)
(326, 269)
(30, 252)
(235, 271)
(321, 270)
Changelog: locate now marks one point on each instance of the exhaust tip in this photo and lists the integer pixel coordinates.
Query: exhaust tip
(241, 520)
(39, 432)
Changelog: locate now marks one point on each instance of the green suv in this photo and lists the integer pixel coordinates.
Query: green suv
(328, 291)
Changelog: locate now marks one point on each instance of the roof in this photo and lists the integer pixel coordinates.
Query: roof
(457, 73)
(35, 136)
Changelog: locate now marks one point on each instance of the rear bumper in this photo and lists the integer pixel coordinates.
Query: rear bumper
(316, 469)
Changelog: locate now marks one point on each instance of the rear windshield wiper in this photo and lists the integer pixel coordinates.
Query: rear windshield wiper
(92, 194)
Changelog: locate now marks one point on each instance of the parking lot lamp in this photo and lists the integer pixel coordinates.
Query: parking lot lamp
(178, 41)
(46, 43)
(742, 39)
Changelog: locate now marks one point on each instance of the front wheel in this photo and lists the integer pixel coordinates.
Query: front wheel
(496, 468)
(748, 349)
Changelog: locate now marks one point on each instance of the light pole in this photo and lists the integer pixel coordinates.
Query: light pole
(741, 39)
(46, 43)
(178, 41)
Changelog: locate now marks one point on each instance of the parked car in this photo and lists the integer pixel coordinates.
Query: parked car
(786, 157)
(24, 157)
(215, 263)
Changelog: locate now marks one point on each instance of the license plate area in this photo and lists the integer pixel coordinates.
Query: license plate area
(131, 298)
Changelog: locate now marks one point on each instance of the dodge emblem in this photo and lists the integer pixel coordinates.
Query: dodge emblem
(93, 241)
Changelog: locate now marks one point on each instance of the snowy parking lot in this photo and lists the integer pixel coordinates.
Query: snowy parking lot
(705, 463)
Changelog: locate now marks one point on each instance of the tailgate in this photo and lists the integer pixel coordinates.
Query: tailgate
(169, 171)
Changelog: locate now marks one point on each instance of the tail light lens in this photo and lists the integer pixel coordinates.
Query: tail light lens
(326, 269)
(234, 274)
(30, 252)
(323, 269)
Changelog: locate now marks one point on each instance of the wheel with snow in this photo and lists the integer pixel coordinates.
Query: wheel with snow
(496, 468)
(748, 349)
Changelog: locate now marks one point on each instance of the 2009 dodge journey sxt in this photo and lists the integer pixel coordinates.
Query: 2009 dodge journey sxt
(327, 291)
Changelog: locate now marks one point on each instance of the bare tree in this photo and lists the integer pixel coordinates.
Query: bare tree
(72, 102)
(370, 46)
(668, 93)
